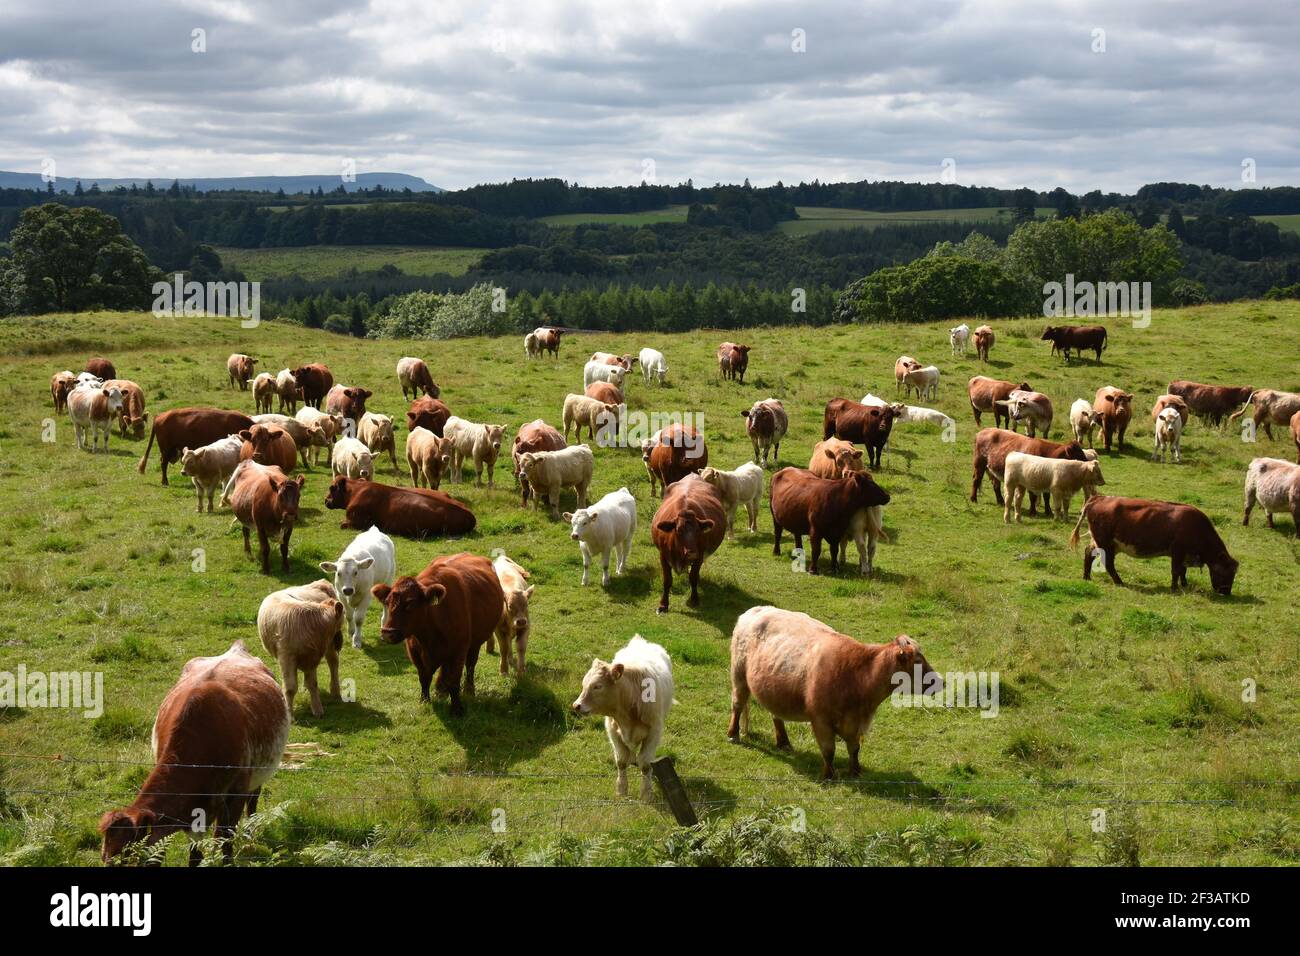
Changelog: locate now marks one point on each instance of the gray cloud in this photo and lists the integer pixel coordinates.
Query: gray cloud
(461, 93)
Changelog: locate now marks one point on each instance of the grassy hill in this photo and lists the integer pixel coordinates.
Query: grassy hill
(1121, 699)
(326, 262)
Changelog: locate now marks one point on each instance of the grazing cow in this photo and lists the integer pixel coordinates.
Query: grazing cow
(286, 387)
(803, 670)
(987, 394)
(1058, 477)
(653, 366)
(1271, 408)
(915, 414)
(92, 411)
(924, 380)
(428, 456)
(476, 443)
(240, 369)
(414, 377)
(733, 360)
(1295, 435)
(376, 432)
(548, 339)
(1033, 408)
(262, 497)
(672, 453)
(132, 414)
(101, 368)
(304, 436)
(1168, 435)
(1170, 401)
(61, 383)
(211, 466)
(959, 338)
(600, 372)
(352, 458)
(265, 392)
(832, 457)
(626, 361)
(867, 425)
(1153, 529)
(827, 509)
(445, 614)
(299, 626)
(532, 347)
(314, 382)
(687, 528)
(347, 401)
(427, 413)
(1116, 408)
(605, 393)
(992, 445)
(606, 526)
(269, 445)
(190, 428)
(329, 429)
(1211, 402)
(549, 472)
(766, 424)
(514, 626)
(1275, 485)
(217, 740)
(579, 411)
(369, 559)
(1079, 338)
(984, 339)
(409, 512)
(534, 436)
(902, 365)
(634, 694)
(1084, 420)
(744, 486)
(89, 378)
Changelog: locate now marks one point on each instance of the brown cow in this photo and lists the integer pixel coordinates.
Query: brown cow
(733, 360)
(269, 445)
(1295, 435)
(766, 424)
(427, 413)
(347, 401)
(688, 527)
(826, 509)
(1170, 401)
(800, 669)
(605, 393)
(411, 512)
(218, 738)
(1271, 408)
(190, 428)
(1115, 406)
(414, 376)
(549, 339)
(263, 497)
(101, 368)
(832, 457)
(314, 382)
(992, 445)
(674, 452)
(627, 360)
(984, 339)
(986, 393)
(240, 369)
(445, 614)
(1211, 402)
(868, 425)
(132, 414)
(1077, 337)
(61, 383)
(535, 436)
(1154, 529)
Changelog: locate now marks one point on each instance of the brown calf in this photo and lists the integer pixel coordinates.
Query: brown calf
(986, 393)
(868, 425)
(1211, 402)
(263, 497)
(410, 512)
(733, 360)
(240, 369)
(269, 445)
(1078, 338)
(688, 527)
(101, 368)
(828, 509)
(673, 453)
(314, 382)
(427, 413)
(1115, 406)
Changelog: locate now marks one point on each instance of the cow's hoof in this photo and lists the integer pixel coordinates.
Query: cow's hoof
(661, 609)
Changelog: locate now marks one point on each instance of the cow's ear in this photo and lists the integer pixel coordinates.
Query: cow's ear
(906, 650)
(433, 593)
(365, 563)
(528, 592)
(705, 523)
(857, 454)
(616, 671)
(300, 481)
(829, 453)
(381, 591)
(246, 435)
(567, 516)
(666, 526)
(329, 567)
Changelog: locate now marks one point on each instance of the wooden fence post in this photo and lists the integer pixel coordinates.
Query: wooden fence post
(674, 792)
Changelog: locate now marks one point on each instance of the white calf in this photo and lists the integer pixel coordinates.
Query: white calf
(607, 525)
(351, 457)
(958, 338)
(1169, 435)
(369, 559)
(600, 372)
(92, 410)
(1084, 420)
(742, 486)
(653, 366)
(924, 380)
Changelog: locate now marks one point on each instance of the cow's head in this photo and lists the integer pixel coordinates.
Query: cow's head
(845, 456)
(517, 610)
(1074, 452)
(264, 441)
(908, 659)
(337, 495)
(366, 465)
(579, 521)
(190, 459)
(761, 418)
(687, 530)
(123, 827)
(300, 374)
(1223, 571)
(865, 490)
(346, 572)
(357, 397)
(1093, 469)
(494, 433)
(404, 605)
(431, 389)
(288, 493)
(1051, 334)
(601, 689)
(113, 398)
(615, 375)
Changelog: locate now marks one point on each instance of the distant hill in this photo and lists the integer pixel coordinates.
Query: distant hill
(290, 184)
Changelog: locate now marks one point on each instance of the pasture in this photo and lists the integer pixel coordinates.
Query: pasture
(649, 217)
(820, 218)
(327, 262)
(1127, 700)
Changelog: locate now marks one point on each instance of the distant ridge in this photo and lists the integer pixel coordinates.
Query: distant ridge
(290, 184)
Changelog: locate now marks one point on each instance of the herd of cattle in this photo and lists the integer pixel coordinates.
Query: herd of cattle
(798, 668)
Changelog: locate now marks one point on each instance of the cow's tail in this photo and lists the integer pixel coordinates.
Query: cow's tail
(1105, 338)
(1241, 411)
(145, 460)
(1083, 516)
(876, 524)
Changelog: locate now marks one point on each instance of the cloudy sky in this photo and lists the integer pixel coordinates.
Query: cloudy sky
(612, 92)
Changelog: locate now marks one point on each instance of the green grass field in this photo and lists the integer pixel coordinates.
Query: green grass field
(647, 218)
(1285, 223)
(1123, 700)
(326, 262)
(820, 218)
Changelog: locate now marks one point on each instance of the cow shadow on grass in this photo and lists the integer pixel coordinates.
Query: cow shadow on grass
(720, 602)
(504, 725)
(339, 717)
(900, 785)
(625, 588)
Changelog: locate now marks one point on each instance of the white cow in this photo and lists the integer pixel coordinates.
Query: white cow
(924, 380)
(600, 372)
(1274, 485)
(351, 457)
(633, 693)
(653, 366)
(1084, 420)
(210, 466)
(90, 379)
(1169, 435)
(607, 525)
(369, 559)
(958, 338)
(92, 410)
(475, 443)
(548, 471)
(744, 486)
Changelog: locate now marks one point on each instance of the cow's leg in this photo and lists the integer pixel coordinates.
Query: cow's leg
(622, 756)
(1087, 563)
(624, 549)
(264, 549)
(604, 564)
(853, 742)
(694, 599)
(739, 709)
(981, 464)
(667, 571)
(288, 676)
(313, 691)
(1250, 505)
(1268, 518)
(471, 663)
(1110, 566)
(423, 666)
(586, 561)
(751, 508)
(521, 648)
(776, 536)
(815, 543)
(825, 735)
(782, 738)
(284, 547)
(1177, 569)
(247, 547)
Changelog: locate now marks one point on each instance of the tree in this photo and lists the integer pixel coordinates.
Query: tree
(311, 316)
(1175, 223)
(1023, 205)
